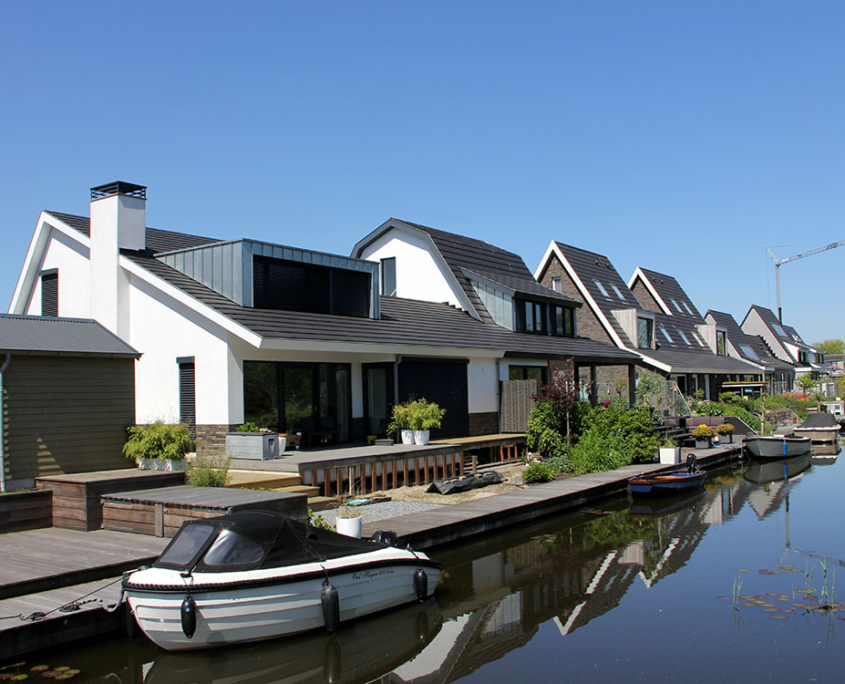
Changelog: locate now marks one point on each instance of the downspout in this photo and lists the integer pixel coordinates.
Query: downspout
(2, 424)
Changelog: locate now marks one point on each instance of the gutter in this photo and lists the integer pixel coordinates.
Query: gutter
(2, 424)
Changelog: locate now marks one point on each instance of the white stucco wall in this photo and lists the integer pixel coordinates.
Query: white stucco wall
(418, 275)
(163, 329)
(483, 386)
(71, 260)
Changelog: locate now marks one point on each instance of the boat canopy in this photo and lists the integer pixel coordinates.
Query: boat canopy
(252, 540)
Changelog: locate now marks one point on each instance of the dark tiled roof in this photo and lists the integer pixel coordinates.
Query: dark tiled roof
(683, 361)
(671, 292)
(37, 334)
(738, 338)
(593, 268)
(157, 240)
(525, 287)
(402, 322)
(771, 320)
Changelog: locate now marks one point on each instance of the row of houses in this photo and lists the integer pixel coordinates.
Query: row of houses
(236, 330)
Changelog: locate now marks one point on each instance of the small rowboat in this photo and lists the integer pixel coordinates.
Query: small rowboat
(674, 482)
(777, 446)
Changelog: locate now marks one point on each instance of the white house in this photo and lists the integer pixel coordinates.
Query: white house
(292, 339)
(784, 341)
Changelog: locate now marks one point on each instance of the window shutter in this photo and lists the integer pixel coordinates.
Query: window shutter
(50, 294)
(187, 395)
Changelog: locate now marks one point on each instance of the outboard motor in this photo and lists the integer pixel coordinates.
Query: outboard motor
(691, 467)
(330, 602)
(384, 537)
(421, 584)
(189, 616)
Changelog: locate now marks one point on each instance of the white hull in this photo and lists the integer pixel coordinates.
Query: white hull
(777, 446)
(288, 602)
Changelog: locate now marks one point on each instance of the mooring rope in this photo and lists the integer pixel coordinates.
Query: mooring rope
(71, 606)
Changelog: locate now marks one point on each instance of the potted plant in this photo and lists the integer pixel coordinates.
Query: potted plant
(350, 521)
(725, 432)
(425, 415)
(160, 446)
(703, 434)
(402, 421)
(670, 452)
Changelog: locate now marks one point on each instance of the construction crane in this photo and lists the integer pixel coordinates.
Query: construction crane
(778, 263)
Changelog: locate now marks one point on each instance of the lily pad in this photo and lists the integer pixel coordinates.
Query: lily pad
(778, 616)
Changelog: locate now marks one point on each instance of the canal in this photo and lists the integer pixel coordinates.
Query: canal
(735, 583)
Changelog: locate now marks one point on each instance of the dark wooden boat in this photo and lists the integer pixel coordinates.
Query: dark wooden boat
(674, 482)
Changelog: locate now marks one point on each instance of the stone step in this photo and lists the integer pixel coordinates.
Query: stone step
(253, 479)
(321, 503)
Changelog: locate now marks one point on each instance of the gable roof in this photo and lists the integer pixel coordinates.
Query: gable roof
(65, 336)
(739, 339)
(789, 336)
(669, 294)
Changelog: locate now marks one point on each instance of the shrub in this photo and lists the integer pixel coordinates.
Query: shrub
(419, 414)
(539, 472)
(248, 427)
(546, 428)
(725, 429)
(703, 432)
(167, 441)
(614, 438)
(559, 464)
(208, 472)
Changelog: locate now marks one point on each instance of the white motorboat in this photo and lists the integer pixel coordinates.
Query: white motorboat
(821, 428)
(257, 575)
(777, 446)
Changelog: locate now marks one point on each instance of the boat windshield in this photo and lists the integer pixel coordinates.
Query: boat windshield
(186, 545)
(231, 548)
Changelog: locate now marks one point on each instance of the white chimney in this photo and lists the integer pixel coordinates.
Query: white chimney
(118, 221)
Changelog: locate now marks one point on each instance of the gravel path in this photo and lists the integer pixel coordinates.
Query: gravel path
(382, 511)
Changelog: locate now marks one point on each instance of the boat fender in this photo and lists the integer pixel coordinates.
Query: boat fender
(384, 537)
(421, 584)
(330, 602)
(189, 616)
(784, 447)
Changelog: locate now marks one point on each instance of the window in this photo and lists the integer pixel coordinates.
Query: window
(231, 548)
(601, 288)
(748, 352)
(388, 277)
(698, 338)
(563, 321)
(666, 335)
(645, 333)
(618, 293)
(50, 293)
(530, 316)
(557, 285)
(720, 342)
(689, 311)
(677, 307)
(684, 337)
(187, 393)
(778, 330)
(537, 373)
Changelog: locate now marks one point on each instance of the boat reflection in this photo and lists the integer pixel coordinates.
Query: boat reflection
(826, 454)
(762, 472)
(361, 651)
(657, 508)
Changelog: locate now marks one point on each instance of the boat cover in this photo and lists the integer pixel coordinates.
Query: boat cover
(252, 540)
(826, 421)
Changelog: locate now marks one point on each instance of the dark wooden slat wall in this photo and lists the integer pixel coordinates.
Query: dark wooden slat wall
(67, 414)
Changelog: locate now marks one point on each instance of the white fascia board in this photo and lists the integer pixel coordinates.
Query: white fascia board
(401, 226)
(657, 364)
(554, 249)
(639, 274)
(35, 254)
(183, 298)
(286, 344)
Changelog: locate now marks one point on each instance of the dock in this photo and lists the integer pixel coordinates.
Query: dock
(49, 568)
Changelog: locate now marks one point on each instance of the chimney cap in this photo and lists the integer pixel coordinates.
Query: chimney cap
(119, 188)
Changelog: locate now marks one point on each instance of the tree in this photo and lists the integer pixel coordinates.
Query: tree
(650, 387)
(806, 383)
(835, 346)
(554, 406)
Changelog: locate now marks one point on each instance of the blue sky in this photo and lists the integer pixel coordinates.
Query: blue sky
(681, 137)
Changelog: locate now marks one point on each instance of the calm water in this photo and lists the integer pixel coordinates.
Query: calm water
(720, 587)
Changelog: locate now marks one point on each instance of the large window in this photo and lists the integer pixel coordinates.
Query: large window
(645, 333)
(537, 373)
(296, 286)
(286, 397)
(545, 319)
(388, 277)
(721, 345)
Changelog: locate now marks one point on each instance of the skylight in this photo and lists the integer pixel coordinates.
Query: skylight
(618, 293)
(795, 337)
(778, 330)
(666, 335)
(698, 338)
(677, 307)
(601, 288)
(748, 352)
(684, 338)
(689, 311)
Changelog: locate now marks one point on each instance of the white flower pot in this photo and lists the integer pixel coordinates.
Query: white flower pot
(351, 527)
(670, 455)
(407, 436)
(160, 464)
(421, 437)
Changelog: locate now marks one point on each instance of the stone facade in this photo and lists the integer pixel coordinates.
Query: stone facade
(588, 324)
(644, 297)
(211, 439)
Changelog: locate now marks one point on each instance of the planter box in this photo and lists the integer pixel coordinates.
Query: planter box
(702, 443)
(350, 527)
(26, 511)
(254, 446)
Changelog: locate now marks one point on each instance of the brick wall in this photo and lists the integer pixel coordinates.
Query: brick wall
(644, 297)
(211, 439)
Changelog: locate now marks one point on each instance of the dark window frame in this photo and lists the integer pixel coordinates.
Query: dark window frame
(50, 293)
(387, 273)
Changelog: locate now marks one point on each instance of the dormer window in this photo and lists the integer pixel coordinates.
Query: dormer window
(544, 319)
(721, 342)
(645, 333)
